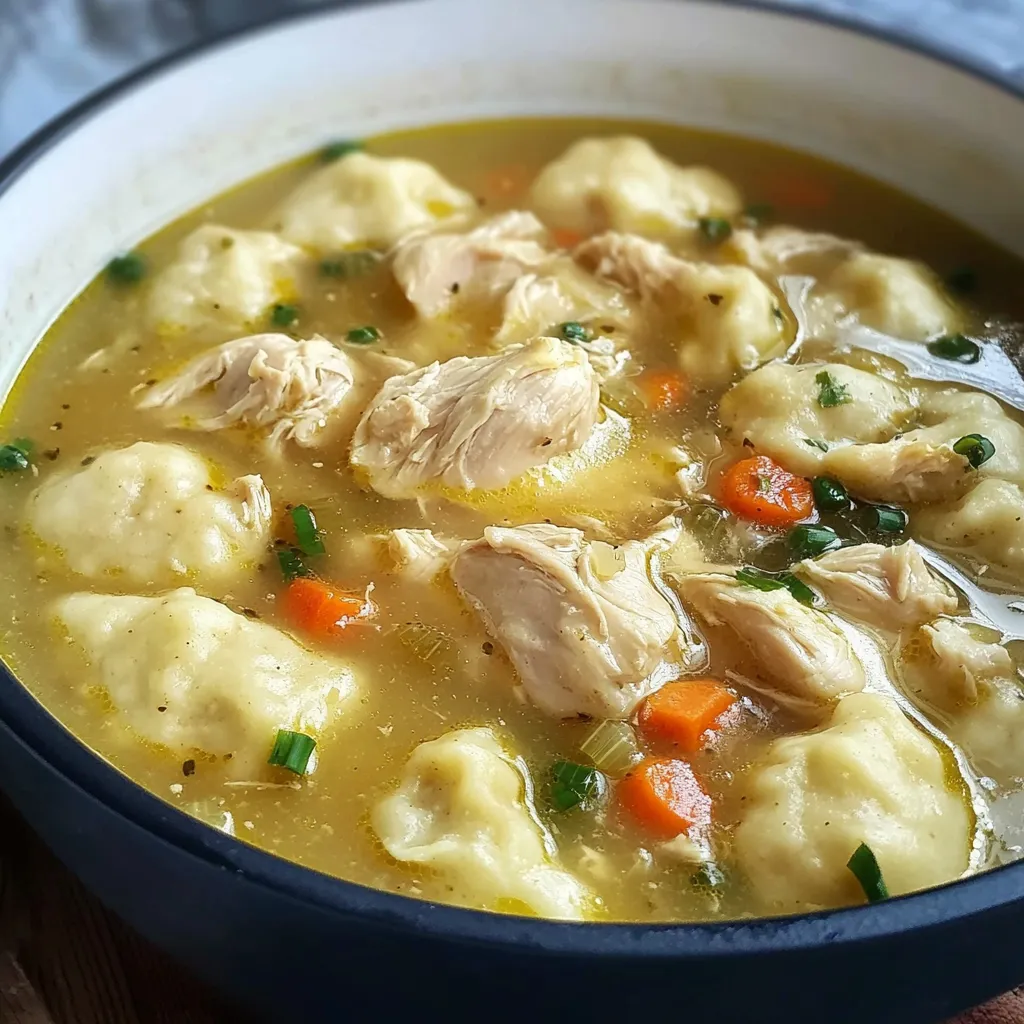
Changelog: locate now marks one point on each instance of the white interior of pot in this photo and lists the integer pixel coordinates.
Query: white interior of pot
(211, 121)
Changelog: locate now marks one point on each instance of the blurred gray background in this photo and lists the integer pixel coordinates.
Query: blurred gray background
(52, 52)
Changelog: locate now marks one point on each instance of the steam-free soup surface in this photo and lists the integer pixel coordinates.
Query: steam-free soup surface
(714, 612)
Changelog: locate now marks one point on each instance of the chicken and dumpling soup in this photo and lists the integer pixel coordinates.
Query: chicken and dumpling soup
(569, 518)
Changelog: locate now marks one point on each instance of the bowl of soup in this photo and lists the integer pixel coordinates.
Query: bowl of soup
(483, 503)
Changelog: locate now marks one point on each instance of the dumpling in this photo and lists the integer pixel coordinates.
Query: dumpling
(777, 409)
(806, 659)
(868, 777)
(465, 810)
(434, 270)
(368, 200)
(785, 249)
(728, 319)
(151, 514)
(581, 621)
(974, 686)
(477, 422)
(192, 676)
(222, 277)
(621, 183)
(987, 525)
(886, 587)
(284, 388)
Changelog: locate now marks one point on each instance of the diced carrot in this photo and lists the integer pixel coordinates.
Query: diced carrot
(797, 191)
(316, 607)
(683, 711)
(762, 491)
(566, 238)
(663, 389)
(508, 182)
(665, 796)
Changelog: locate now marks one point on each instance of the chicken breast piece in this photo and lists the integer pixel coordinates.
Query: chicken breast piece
(870, 776)
(805, 659)
(621, 182)
(192, 676)
(419, 555)
(464, 810)
(729, 319)
(370, 201)
(581, 621)
(887, 587)
(477, 422)
(270, 383)
(151, 514)
(223, 278)
(778, 410)
(433, 270)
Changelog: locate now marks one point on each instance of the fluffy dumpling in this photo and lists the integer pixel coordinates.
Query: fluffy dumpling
(806, 659)
(191, 676)
(464, 809)
(151, 514)
(224, 278)
(886, 587)
(869, 777)
(369, 201)
(434, 270)
(477, 422)
(728, 319)
(621, 182)
(270, 383)
(581, 621)
(986, 525)
(778, 410)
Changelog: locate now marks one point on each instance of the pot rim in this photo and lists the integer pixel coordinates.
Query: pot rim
(81, 768)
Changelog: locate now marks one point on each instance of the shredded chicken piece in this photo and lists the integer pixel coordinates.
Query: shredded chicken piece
(420, 555)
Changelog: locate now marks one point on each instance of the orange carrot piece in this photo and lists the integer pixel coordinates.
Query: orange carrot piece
(798, 192)
(663, 390)
(683, 711)
(760, 490)
(566, 238)
(665, 796)
(508, 182)
(317, 607)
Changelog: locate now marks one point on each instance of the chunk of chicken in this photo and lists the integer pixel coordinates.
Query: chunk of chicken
(887, 587)
(785, 249)
(806, 658)
(268, 382)
(419, 555)
(433, 269)
(477, 422)
(730, 320)
(622, 183)
(584, 626)
(368, 200)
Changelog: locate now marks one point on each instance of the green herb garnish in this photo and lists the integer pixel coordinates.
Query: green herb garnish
(962, 280)
(363, 335)
(281, 314)
(759, 579)
(292, 750)
(956, 348)
(864, 866)
(829, 495)
(336, 150)
(572, 784)
(975, 448)
(816, 442)
(708, 876)
(830, 392)
(715, 229)
(574, 332)
(349, 264)
(808, 540)
(885, 518)
(16, 456)
(292, 565)
(306, 531)
(128, 268)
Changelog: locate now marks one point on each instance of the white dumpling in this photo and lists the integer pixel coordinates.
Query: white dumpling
(223, 277)
(368, 200)
(464, 809)
(190, 675)
(869, 776)
(151, 513)
(777, 409)
(987, 525)
(621, 182)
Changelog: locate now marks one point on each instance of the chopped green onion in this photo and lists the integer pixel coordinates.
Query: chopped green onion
(292, 565)
(16, 456)
(306, 531)
(292, 750)
(751, 576)
(829, 495)
(715, 229)
(128, 268)
(281, 314)
(962, 280)
(363, 335)
(756, 213)
(574, 332)
(612, 747)
(336, 150)
(349, 264)
(885, 518)
(573, 784)
(830, 392)
(807, 541)
(975, 448)
(864, 866)
(816, 442)
(956, 348)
